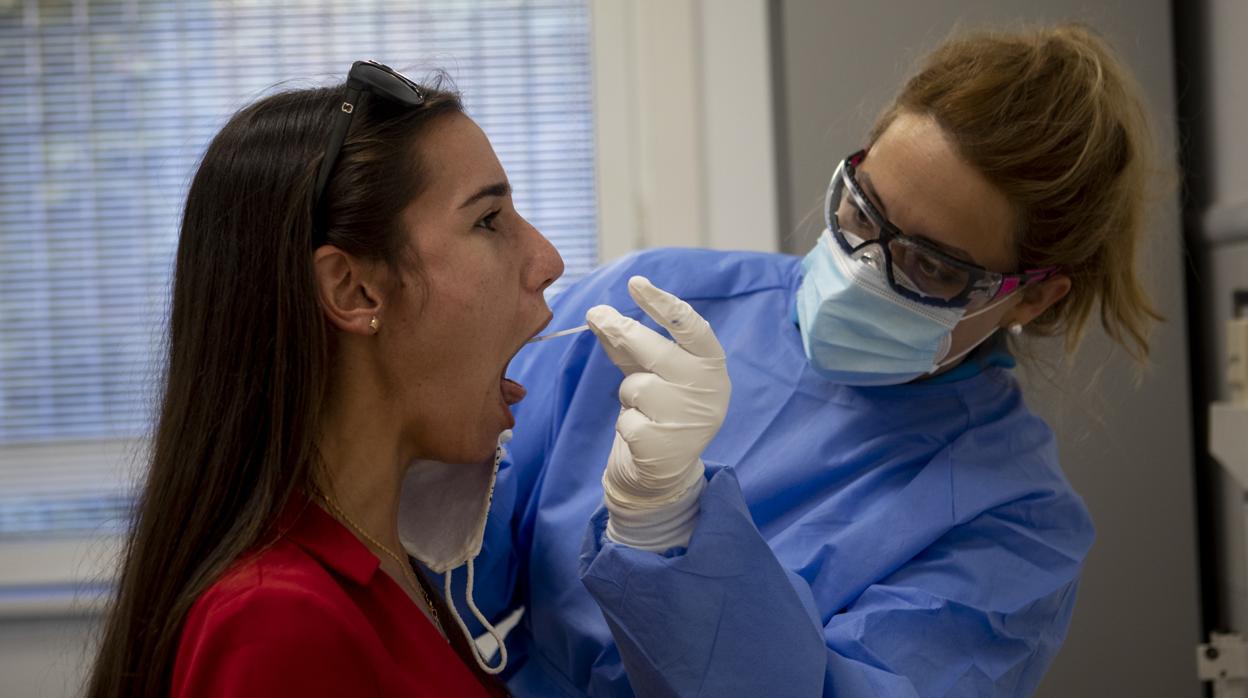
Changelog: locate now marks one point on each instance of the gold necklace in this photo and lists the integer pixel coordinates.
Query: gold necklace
(405, 566)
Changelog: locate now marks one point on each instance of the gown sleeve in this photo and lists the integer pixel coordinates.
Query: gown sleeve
(979, 613)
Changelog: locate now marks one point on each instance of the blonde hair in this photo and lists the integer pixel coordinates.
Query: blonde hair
(1053, 120)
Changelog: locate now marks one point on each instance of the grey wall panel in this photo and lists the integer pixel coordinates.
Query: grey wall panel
(1126, 444)
(1225, 55)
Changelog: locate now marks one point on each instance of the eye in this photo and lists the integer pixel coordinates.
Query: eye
(939, 272)
(860, 216)
(861, 223)
(487, 221)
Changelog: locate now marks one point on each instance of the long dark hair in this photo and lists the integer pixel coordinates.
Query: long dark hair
(248, 351)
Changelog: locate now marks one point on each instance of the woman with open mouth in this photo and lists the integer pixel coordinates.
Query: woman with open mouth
(351, 283)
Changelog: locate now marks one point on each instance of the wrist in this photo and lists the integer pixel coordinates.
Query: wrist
(623, 486)
(655, 526)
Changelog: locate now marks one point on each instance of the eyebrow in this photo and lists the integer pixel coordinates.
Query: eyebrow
(869, 188)
(878, 202)
(498, 189)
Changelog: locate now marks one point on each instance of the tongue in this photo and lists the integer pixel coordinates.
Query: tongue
(512, 391)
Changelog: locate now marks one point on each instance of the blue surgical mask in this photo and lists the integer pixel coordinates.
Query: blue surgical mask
(858, 331)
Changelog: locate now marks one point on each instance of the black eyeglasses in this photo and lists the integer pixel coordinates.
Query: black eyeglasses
(371, 77)
(914, 267)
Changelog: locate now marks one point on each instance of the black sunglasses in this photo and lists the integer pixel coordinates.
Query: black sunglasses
(371, 77)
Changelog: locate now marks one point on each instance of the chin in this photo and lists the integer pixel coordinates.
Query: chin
(485, 457)
(479, 450)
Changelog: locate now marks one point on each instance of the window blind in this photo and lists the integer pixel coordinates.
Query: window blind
(105, 107)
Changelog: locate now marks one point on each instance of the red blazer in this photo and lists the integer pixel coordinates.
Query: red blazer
(314, 615)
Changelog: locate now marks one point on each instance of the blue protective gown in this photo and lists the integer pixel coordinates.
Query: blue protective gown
(912, 540)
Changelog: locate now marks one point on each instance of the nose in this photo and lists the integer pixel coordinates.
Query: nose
(547, 265)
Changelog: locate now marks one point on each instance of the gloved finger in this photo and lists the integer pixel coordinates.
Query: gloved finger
(649, 440)
(688, 328)
(653, 396)
(631, 343)
(654, 449)
(633, 426)
(601, 316)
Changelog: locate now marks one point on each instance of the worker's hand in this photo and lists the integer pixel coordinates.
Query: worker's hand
(674, 397)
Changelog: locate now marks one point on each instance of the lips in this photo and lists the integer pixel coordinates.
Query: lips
(512, 391)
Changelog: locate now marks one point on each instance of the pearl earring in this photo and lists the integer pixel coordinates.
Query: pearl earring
(372, 324)
(1016, 329)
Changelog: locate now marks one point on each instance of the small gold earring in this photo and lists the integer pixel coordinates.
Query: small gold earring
(372, 324)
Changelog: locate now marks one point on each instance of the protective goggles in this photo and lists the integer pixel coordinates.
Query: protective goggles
(914, 267)
(365, 76)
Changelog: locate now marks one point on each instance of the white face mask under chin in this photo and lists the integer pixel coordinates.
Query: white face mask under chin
(442, 513)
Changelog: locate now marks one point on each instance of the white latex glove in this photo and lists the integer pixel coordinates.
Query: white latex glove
(673, 400)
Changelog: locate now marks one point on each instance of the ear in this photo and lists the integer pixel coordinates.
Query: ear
(1037, 299)
(348, 290)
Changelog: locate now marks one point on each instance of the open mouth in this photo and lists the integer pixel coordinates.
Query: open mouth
(511, 391)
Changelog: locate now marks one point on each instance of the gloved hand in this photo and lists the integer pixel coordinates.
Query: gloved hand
(673, 400)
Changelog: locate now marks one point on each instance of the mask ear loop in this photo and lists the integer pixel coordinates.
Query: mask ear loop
(476, 612)
(503, 438)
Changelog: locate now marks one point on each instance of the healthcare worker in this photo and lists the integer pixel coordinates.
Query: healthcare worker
(352, 280)
(880, 514)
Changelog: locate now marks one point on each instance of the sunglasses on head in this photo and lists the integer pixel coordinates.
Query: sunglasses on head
(365, 76)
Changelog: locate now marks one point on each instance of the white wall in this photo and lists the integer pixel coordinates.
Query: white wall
(685, 131)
